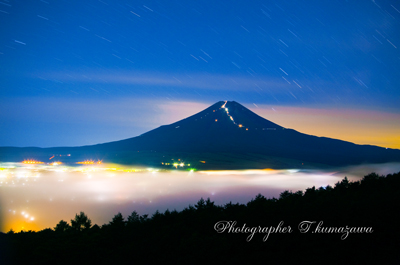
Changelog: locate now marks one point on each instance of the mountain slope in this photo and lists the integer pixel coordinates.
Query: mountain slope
(228, 135)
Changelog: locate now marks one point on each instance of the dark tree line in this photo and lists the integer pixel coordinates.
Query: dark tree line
(189, 237)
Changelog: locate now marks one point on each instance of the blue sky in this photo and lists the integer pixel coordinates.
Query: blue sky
(76, 73)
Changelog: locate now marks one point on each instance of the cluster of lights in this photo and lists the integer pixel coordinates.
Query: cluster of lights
(176, 165)
(31, 161)
(58, 155)
(114, 169)
(27, 216)
(239, 125)
(90, 162)
(180, 165)
(227, 112)
(9, 173)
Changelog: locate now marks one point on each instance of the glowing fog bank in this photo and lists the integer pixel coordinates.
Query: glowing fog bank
(36, 197)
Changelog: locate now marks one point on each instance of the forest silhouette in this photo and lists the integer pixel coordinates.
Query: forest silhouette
(189, 236)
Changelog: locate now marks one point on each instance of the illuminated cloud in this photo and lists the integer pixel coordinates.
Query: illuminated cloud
(36, 198)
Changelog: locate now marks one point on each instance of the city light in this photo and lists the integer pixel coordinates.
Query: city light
(89, 162)
(31, 161)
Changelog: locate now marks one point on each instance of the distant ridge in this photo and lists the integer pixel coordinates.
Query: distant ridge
(225, 135)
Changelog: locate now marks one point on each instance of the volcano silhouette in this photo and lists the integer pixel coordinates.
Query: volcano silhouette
(226, 135)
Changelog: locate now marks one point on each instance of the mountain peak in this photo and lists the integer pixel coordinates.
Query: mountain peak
(228, 114)
(248, 119)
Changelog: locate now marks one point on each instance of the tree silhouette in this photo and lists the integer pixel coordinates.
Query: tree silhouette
(118, 221)
(201, 204)
(286, 194)
(344, 184)
(62, 226)
(81, 222)
(95, 228)
(144, 218)
(133, 218)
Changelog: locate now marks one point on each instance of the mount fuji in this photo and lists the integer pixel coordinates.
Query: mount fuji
(226, 135)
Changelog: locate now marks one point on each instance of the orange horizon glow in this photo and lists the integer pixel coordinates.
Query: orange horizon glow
(365, 127)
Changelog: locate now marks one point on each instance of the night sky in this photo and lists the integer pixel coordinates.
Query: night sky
(86, 72)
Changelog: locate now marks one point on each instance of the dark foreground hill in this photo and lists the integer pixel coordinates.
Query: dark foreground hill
(351, 223)
(226, 136)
